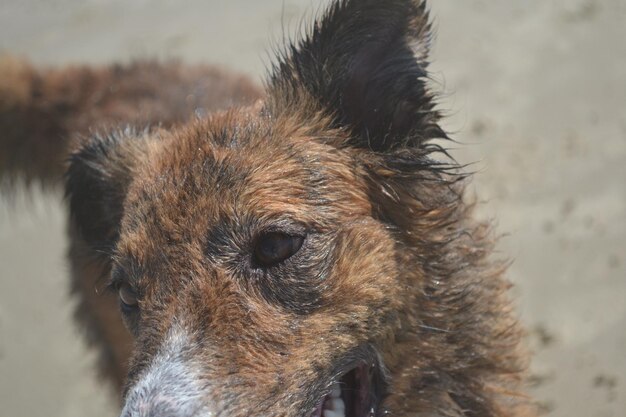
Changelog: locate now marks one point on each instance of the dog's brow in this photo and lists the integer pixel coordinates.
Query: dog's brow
(126, 267)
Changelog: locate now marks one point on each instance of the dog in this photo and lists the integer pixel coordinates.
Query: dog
(302, 250)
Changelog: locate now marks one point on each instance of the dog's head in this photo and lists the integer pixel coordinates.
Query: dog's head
(291, 258)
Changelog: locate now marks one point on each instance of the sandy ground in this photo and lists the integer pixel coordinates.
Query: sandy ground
(536, 91)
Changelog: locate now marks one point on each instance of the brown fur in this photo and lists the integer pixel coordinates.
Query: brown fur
(42, 109)
(393, 271)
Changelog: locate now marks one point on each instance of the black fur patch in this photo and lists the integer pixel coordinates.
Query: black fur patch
(365, 62)
(96, 183)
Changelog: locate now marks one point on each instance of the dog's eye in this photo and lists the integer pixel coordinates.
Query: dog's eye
(128, 297)
(274, 247)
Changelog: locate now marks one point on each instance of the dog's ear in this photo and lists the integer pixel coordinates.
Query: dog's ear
(364, 64)
(97, 180)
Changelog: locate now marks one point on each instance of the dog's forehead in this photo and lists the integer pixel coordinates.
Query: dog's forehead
(229, 160)
(225, 168)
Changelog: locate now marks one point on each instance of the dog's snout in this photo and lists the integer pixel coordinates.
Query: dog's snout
(163, 394)
(170, 386)
(157, 407)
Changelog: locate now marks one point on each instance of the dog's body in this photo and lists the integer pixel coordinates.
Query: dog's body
(306, 255)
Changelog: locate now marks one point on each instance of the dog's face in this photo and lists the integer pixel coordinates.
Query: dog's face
(253, 274)
(269, 260)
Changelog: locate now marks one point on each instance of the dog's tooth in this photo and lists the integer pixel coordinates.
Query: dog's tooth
(330, 413)
(335, 391)
(337, 404)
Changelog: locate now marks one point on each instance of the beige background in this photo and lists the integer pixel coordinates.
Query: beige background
(536, 91)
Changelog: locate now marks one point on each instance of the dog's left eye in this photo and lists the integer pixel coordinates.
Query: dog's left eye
(272, 248)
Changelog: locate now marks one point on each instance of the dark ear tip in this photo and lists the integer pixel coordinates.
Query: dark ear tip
(364, 65)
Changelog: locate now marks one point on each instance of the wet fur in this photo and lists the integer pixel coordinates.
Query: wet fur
(341, 149)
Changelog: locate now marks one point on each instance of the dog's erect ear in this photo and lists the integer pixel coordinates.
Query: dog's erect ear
(97, 180)
(364, 63)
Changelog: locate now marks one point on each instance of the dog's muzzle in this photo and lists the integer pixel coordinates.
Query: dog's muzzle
(169, 387)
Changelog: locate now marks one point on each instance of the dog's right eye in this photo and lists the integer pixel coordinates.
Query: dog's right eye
(128, 297)
(272, 248)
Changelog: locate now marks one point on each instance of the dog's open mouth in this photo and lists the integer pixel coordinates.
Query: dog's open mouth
(352, 396)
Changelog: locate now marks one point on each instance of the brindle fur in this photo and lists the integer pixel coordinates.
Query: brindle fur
(341, 148)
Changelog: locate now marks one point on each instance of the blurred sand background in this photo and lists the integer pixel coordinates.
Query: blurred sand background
(536, 91)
